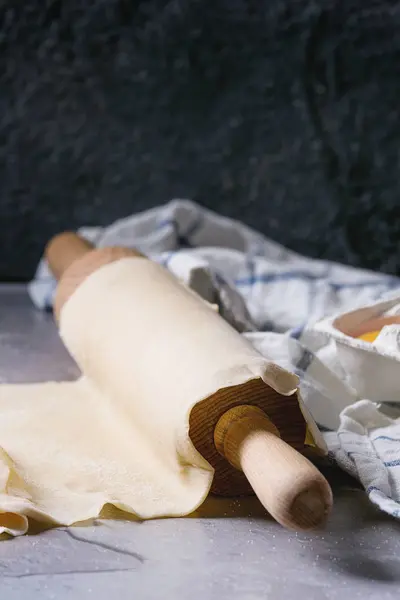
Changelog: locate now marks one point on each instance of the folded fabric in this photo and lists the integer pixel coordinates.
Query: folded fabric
(276, 299)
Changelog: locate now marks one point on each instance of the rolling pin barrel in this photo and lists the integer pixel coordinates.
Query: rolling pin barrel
(289, 486)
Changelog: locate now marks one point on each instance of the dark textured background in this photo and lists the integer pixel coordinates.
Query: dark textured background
(282, 113)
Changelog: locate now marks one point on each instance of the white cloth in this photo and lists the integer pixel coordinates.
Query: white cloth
(282, 302)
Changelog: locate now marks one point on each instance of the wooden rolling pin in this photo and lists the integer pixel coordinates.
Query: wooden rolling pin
(289, 486)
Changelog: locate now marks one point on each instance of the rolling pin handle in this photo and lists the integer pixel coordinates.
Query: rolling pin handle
(72, 259)
(288, 485)
(63, 250)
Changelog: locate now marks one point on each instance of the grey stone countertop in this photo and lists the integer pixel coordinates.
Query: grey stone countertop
(229, 549)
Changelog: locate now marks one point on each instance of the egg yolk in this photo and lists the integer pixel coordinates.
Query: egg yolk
(370, 336)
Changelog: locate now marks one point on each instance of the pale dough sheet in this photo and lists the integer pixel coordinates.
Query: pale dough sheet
(149, 350)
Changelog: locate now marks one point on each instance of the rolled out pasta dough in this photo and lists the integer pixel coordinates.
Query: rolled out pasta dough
(149, 350)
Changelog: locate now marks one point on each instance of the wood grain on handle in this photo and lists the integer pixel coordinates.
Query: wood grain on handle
(288, 485)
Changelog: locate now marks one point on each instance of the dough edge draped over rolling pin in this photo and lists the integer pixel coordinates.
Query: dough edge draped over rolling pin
(149, 350)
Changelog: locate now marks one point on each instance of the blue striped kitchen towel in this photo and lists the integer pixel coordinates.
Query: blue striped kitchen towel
(274, 297)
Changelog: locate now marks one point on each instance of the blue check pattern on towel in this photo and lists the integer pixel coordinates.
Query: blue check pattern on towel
(273, 296)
